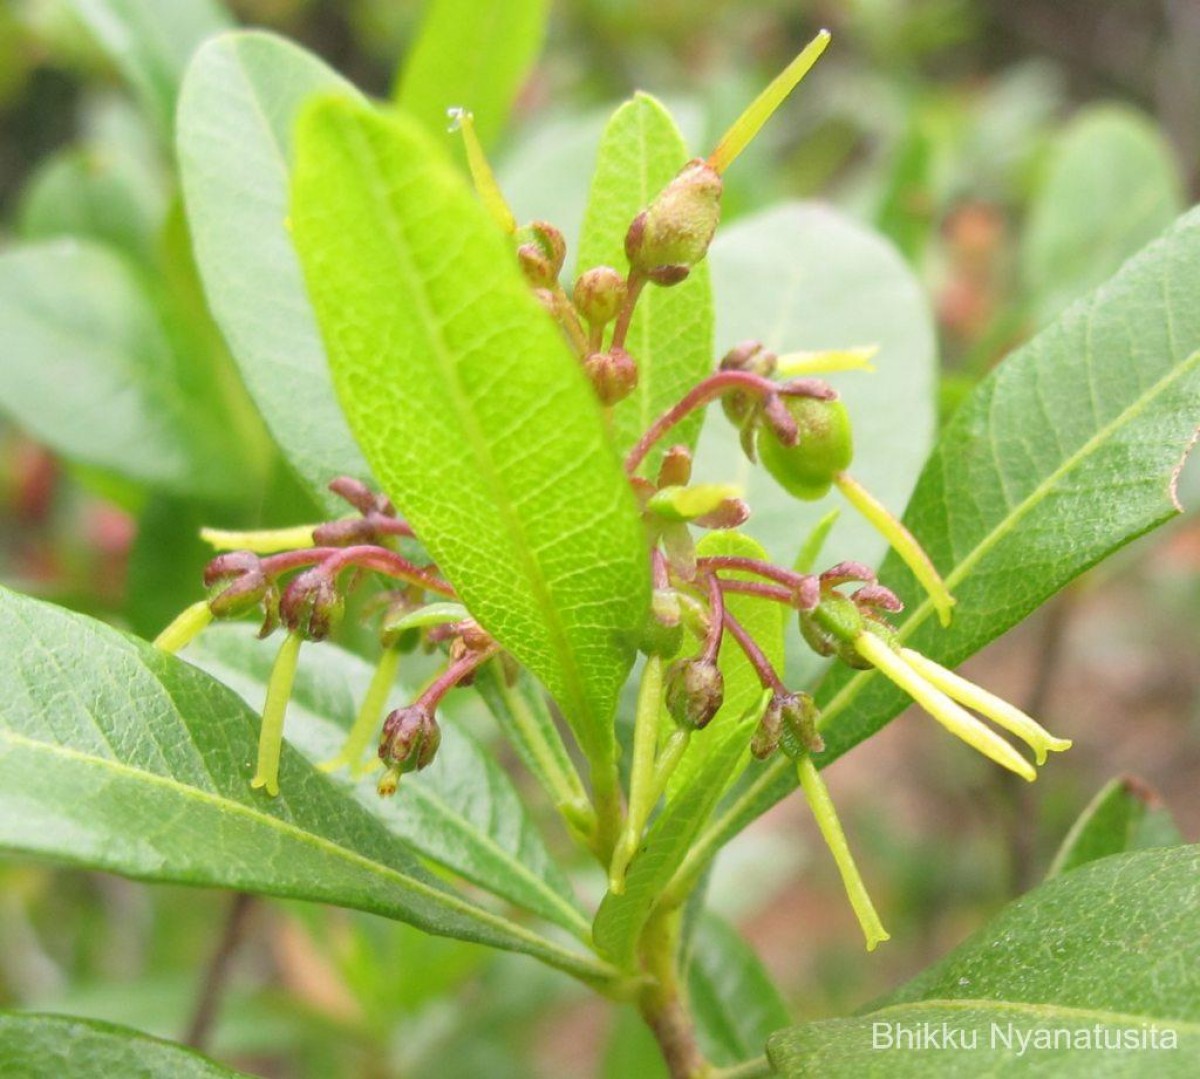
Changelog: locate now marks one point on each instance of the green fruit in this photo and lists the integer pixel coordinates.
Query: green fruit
(825, 447)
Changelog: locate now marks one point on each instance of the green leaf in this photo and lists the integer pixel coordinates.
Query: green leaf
(91, 370)
(736, 1005)
(671, 336)
(1112, 186)
(34, 1045)
(1066, 452)
(462, 812)
(151, 43)
(116, 756)
(236, 113)
(457, 385)
(94, 195)
(803, 277)
(1125, 815)
(472, 56)
(1109, 951)
(765, 622)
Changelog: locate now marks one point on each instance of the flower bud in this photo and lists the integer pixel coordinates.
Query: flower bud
(598, 295)
(672, 234)
(236, 584)
(754, 358)
(614, 375)
(695, 692)
(542, 257)
(676, 468)
(798, 733)
(312, 606)
(409, 742)
(832, 627)
(824, 447)
(345, 533)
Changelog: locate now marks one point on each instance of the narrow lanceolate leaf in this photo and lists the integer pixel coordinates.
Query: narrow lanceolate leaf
(737, 1006)
(671, 337)
(151, 42)
(116, 756)
(1095, 973)
(462, 812)
(471, 56)
(34, 1045)
(91, 370)
(237, 110)
(1069, 450)
(1125, 815)
(1112, 185)
(471, 411)
(764, 621)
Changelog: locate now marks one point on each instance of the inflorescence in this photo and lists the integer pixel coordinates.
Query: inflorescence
(790, 420)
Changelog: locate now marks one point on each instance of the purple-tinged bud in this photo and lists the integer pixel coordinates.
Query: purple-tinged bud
(768, 732)
(831, 628)
(236, 584)
(753, 357)
(676, 467)
(808, 593)
(270, 606)
(614, 375)
(312, 605)
(824, 447)
(542, 257)
(845, 572)
(777, 418)
(599, 294)
(410, 741)
(798, 733)
(673, 233)
(695, 692)
(878, 598)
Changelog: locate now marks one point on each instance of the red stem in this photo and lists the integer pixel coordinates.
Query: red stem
(709, 389)
(766, 673)
(716, 615)
(452, 675)
(753, 588)
(365, 556)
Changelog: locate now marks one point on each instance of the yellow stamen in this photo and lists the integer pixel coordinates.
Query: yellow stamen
(1011, 718)
(367, 720)
(799, 364)
(835, 839)
(486, 185)
(903, 542)
(759, 111)
(956, 719)
(185, 627)
(270, 541)
(270, 737)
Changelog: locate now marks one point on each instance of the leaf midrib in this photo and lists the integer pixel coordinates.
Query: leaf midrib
(360, 148)
(1063, 1011)
(538, 945)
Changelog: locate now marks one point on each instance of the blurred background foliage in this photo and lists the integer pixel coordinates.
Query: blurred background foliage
(1013, 151)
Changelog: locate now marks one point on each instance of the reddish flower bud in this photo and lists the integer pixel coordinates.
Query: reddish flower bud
(312, 605)
(598, 295)
(236, 584)
(753, 357)
(673, 233)
(798, 733)
(676, 467)
(361, 497)
(695, 692)
(542, 257)
(410, 739)
(614, 375)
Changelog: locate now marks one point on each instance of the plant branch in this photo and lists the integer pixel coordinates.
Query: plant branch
(216, 976)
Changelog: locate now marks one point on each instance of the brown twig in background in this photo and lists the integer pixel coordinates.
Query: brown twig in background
(216, 975)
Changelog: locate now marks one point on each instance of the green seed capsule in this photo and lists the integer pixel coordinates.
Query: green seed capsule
(825, 447)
